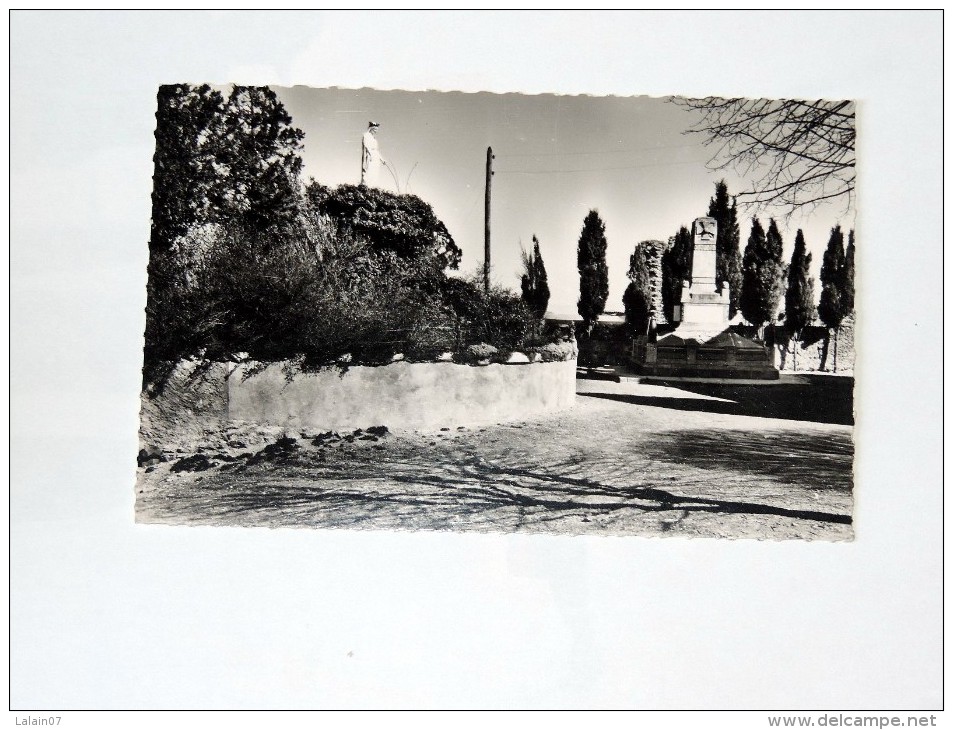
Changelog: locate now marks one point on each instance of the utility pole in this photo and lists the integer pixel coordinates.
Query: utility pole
(486, 219)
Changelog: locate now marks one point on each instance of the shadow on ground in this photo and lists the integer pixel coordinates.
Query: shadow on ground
(475, 493)
(813, 461)
(601, 467)
(821, 400)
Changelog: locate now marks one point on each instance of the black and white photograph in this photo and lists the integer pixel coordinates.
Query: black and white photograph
(370, 359)
(500, 312)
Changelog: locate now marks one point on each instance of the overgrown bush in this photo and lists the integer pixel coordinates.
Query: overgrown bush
(555, 351)
(480, 352)
(402, 224)
(498, 317)
(232, 293)
(315, 295)
(245, 265)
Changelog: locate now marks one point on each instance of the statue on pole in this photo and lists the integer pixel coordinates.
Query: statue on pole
(371, 160)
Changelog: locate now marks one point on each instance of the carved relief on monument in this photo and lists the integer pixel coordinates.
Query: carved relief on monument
(704, 256)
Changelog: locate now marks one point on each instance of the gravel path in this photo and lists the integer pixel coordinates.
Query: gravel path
(628, 459)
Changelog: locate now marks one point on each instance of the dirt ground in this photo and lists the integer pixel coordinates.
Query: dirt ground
(759, 461)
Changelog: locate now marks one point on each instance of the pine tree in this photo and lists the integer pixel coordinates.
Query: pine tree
(676, 269)
(762, 275)
(637, 298)
(593, 271)
(727, 244)
(799, 310)
(535, 284)
(835, 299)
(259, 159)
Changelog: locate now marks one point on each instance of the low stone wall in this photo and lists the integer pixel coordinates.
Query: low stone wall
(193, 401)
(810, 350)
(401, 395)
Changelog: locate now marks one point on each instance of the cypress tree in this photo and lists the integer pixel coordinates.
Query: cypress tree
(676, 268)
(260, 159)
(849, 273)
(834, 302)
(535, 283)
(762, 275)
(727, 244)
(186, 149)
(799, 308)
(593, 271)
(637, 298)
(184, 181)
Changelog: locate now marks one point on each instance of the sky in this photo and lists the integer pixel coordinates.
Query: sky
(556, 158)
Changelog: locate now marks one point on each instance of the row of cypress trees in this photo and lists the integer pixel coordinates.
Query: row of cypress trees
(760, 282)
(593, 273)
(765, 278)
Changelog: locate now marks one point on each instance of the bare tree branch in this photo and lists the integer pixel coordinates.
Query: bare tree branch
(794, 153)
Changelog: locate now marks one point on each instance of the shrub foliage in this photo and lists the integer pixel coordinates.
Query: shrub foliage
(246, 265)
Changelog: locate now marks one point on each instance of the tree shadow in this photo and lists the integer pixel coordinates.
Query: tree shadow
(827, 400)
(818, 461)
(458, 495)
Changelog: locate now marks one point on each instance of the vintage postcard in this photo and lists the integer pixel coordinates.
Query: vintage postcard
(500, 312)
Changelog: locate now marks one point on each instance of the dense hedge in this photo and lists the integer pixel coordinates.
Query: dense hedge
(246, 264)
(321, 297)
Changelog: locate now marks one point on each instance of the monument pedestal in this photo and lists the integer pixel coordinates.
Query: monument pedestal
(703, 346)
(726, 355)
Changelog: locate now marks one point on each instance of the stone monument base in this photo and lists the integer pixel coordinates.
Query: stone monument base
(703, 345)
(696, 353)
